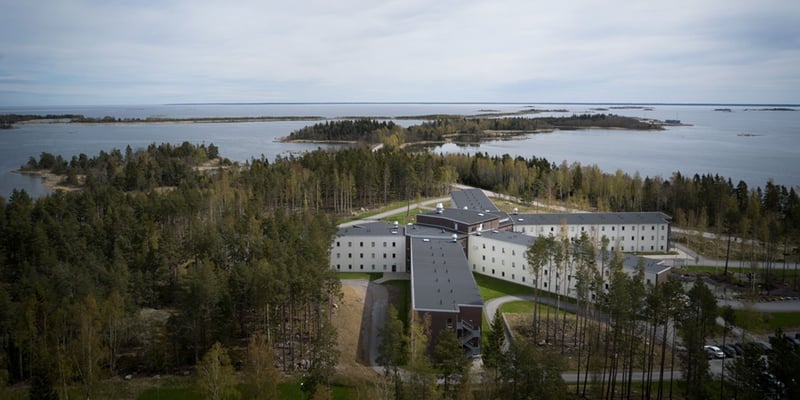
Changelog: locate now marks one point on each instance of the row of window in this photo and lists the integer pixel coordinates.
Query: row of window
(361, 255)
(361, 267)
(361, 244)
(602, 228)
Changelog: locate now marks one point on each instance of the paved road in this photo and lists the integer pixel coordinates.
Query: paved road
(399, 210)
(376, 304)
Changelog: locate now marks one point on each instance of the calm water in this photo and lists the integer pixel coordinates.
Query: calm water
(713, 144)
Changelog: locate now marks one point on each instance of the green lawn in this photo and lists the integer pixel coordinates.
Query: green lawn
(403, 304)
(759, 322)
(525, 307)
(491, 288)
(287, 390)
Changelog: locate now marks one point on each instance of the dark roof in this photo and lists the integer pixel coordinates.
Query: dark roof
(510, 237)
(472, 199)
(376, 228)
(430, 232)
(440, 276)
(591, 218)
(467, 217)
(630, 262)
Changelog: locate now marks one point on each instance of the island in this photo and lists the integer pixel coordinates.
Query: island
(454, 129)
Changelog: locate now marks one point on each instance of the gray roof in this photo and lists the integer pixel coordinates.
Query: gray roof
(430, 232)
(617, 218)
(510, 237)
(440, 276)
(472, 199)
(630, 262)
(376, 228)
(467, 217)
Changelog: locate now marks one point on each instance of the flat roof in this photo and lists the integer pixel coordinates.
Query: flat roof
(377, 228)
(509, 237)
(472, 199)
(430, 232)
(630, 262)
(467, 217)
(620, 218)
(440, 277)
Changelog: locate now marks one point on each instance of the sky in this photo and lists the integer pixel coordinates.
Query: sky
(109, 52)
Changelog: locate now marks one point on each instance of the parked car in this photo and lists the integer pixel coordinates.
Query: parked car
(729, 350)
(739, 348)
(713, 351)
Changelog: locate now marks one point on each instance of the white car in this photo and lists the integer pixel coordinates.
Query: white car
(714, 351)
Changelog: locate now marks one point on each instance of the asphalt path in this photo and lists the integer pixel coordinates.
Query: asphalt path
(376, 304)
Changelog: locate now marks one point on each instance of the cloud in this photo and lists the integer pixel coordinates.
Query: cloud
(184, 51)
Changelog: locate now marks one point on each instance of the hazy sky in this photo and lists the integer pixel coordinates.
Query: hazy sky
(167, 51)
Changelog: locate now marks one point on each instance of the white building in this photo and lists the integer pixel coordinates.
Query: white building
(627, 231)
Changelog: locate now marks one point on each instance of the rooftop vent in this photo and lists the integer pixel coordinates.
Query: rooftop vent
(516, 211)
(455, 238)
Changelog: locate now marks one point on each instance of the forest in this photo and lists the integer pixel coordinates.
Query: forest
(156, 260)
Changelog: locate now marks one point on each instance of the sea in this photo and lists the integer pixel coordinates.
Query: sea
(751, 143)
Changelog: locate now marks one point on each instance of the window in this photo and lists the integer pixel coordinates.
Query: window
(523, 279)
(623, 227)
(384, 244)
(394, 244)
(449, 323)
(349, 244)
(337, 243)
(633, 237)
(373, 256)
(373, 244)
(545, 272)
(394, 255)
(373, 267)
(362, 266)
(652, 238)
(513, 265)
(360, 244)
(642, 237)
(503, 250)
(361, 255)
(603, 228)
(338, 255)
(662, 227)
(483, 257)
(484, 245)
(492, 271)
(613, 227)
(338, 266)
(483, 269)
(384, 255)
(349, 255)
(653, 227)
(513, 277)
(473, 267)
(651, 248)
(492, 260)
(502, 262)
(503, 274)
(513, 252)
(492, 248)
(545, 284)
